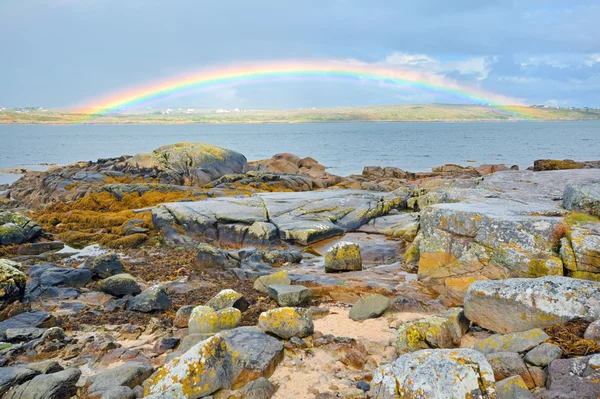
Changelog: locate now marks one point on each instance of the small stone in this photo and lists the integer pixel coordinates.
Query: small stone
(107, 265)
(287, 322)
(228, 299)
(260, 388)
(205, 320)
(262, 283)
(290, 295)
(342, 257)
(538, 375)
(153, 298)
(55, 334)
(363, 386)
(182, 316)
(544, 354)
(120, 285)
(515, 342)
(508, 364)
(594, 362)
(593, 331)
(369, 307)
(512, 388)
(165, 344)
(298, 342)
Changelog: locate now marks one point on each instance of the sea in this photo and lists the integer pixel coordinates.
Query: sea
(345, 148)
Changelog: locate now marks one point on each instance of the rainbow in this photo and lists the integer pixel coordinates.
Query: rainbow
(218, 77)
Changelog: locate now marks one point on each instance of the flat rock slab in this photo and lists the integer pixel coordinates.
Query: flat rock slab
(289, 295)
(523, 304)
(515, 342)
(60, 385)
(369, 307)
(267, 219)
(27, 320)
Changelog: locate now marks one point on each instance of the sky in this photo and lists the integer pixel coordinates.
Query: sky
(69, 53)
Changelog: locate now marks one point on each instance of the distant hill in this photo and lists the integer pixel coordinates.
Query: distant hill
(384, 113)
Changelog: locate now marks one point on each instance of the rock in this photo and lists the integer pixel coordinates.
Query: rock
(592, 332)
(515, 342)
(23, 334)
(60, 385)
(287, 322)
(8, 262)
(523, 304)
(260, 388)
(153, 298)
(442, 373)
(182, 316)
(580, 251)
(538, 375)
(363, 386)
(120, 285)
(508, 364)
(13, 376)
(350, 352)
(62, 277)
(583, 197)
(554, 164)
(129, 375)
(16, 228)
(228, 299)
(118, 392)
(107, 265)
(27, 320)
(262, 283)
(165, 344)
(342, 257)
(432, 332)
(209, 257)
(594, 362)
(45, 367)
(368, 307)
(458, 324)
(205, 320)
(12, 284)
(571, 378)
(512, 388)
(289, 295)
(401, 226)
(55, 334)
(543, 355)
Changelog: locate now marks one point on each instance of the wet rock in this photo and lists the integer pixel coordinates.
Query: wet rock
(512, 388)
(50, 276)
(106, 265)
(523, 304)
(206, 321)
(592, 332)
(543, 355)
(27, 320)
(120, 285)
(342, 257)
(182, 316)
(515, 342)
(118, 392)
(23, 334)
(571, 378)
(129, 375)
(260, 388)
(290, 295)
(60, 385)
(583, 197)
(13, 376)
(368, 307)
(262, 283)
(228, 299)
(153, 298)
(508, 364)
(287, 322)
(12, 284)
(452, 373)
(16, 228)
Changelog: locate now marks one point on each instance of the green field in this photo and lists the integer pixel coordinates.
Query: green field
(385, 113)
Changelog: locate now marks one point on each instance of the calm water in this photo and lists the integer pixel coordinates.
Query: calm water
(344, 147)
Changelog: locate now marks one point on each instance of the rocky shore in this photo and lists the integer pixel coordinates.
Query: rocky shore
(190, 272)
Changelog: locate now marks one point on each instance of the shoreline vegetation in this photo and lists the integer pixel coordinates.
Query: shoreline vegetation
(386, 113)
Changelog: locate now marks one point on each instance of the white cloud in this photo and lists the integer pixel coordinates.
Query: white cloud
(478, 67)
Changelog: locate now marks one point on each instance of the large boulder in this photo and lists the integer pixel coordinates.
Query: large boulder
(368, 307)
(205, 320)
(289, 295)
(433, 332)
(580, 251)
(228, 299)
(60, 385)
(583, 197)
(287, 322)
(343, 257)
(572, 378)
(120, 285)
(263, 283)
(523, 304)
(16, 228)
(13, 376)
(442, 373)
(191, 164)
(151, 299)
(514, 342)
(107, 265)
(12, 284)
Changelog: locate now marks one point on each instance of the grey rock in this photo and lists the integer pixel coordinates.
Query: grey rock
(118, 392)
(45, 367)
(523, 304)
(209, 257)
(64, 277)
(182, 316)
(12, 283)
(543, 355)
(512, 388)
(60, 385)
(441, 373)
(260, 388)
(129, 374)
(515, 342)
(165, 344)
(290, 295)
(151, 299)
(583, 197)
(571, 378)
(509, 364)
(287, 322)
(368, 307)
(23, 334)
(342, 257)
(27, 320)
(107, 265)
(205, 320)
(16, 228)
(54, 334)
(262, 283)
(120, 285)
(13, 376)
(228, 299)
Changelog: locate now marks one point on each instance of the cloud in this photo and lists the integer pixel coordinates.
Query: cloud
(475, 67)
